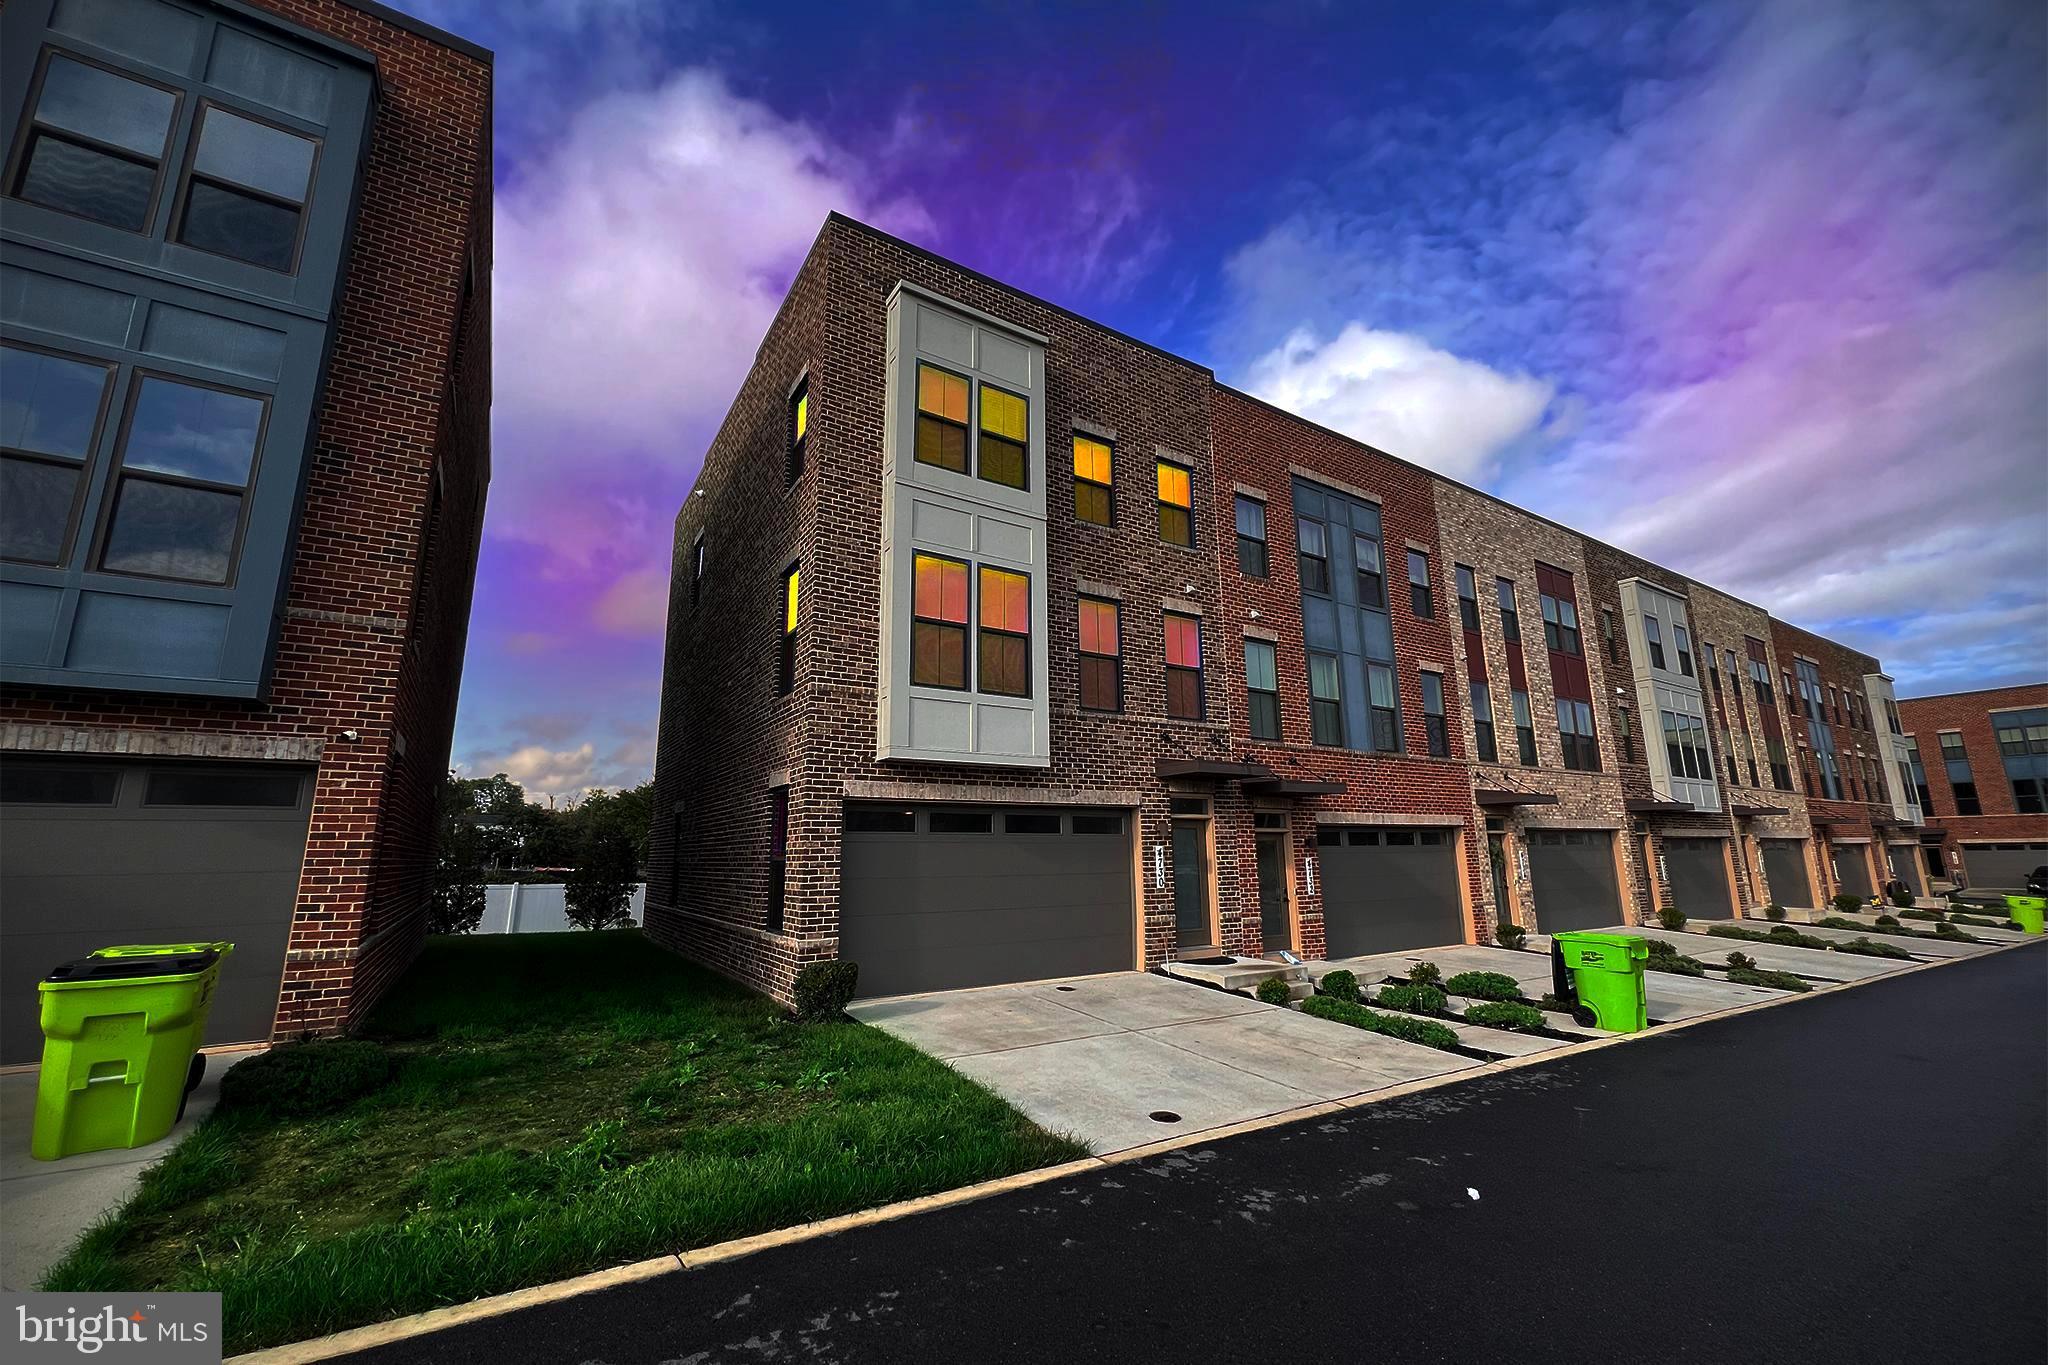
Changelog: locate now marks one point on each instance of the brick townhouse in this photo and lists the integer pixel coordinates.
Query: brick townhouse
(1003, 646)
(1980, 763)
(244, 290)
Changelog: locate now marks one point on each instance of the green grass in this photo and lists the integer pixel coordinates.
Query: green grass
(558, 1103)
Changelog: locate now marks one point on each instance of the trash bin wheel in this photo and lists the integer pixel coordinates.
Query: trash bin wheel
(193, 1075)
(1582, 1015)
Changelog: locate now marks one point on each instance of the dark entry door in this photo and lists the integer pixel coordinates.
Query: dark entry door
(1276, 930)
(1572, 871)
(1191, 886)
(1698, 874)
(1497, 859)
(1785, 870)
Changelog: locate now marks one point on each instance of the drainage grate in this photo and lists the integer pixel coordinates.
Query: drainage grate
(1063, 988)
(1165, 1116)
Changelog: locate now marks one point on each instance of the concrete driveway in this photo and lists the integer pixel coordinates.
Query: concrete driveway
(1119, 1061)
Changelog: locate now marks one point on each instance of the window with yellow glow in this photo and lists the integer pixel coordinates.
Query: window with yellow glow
(785, 678)
(1005, 651)
(941, 418)
(938, 627)
(1176, 505)
(1005, 434)
(799, 428)
(1101, 670)
(1092, 464)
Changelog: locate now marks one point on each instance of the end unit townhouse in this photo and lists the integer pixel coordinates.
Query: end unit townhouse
(244, 436)
(1977, 766)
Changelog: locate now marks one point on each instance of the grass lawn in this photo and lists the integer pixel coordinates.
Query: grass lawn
(558, 1103)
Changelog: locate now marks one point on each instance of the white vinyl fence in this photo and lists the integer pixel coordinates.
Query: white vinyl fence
(517, 909)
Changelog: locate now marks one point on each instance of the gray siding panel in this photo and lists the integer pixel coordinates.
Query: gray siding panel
(1380, 897)
(1573, 874)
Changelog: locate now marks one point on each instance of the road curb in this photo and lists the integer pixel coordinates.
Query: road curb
(345, 1343)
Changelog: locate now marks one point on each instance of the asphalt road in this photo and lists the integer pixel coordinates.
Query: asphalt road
(1861, 1177)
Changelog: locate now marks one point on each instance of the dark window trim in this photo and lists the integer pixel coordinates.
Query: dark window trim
(1272, 693)
(86, 465)
(1109, 489)
(799, 444)
(981, 626)
(1421, 595)
(1262, 552)
(778, 856)
(1116, 659)
(966, 628)
(188, 173)
(25, 136)
(1201, 655)
(1328, 588)
(785, 664)
(1335, 704)
(981, 431)
(918, 413)
(1160, 461)
(1435, 728)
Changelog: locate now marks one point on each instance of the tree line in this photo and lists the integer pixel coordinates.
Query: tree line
(487, 831)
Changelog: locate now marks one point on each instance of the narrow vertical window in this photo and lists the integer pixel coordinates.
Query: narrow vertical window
(1251, 537)
(1525, 729)
(1433, 715)
(1468, 599)
(1005, 437)
(1183, 667)
(1262, 689)
(1420, 600)
(1654, 633)
(941, 418)
(1176, 504)
(785, 667)
(1624, 735)
(1386, 712)
(1684, 643)
(778, 855)
(1561, 624)
(697, 571)
(1510, 617)
(1372, 581)
(938, 623)
(95, 145)
(1581, 750)
(799, 431)
(50, 410)
(1093, 487)
(1005, 651)
(1482, 723)
(1325, 700)
(1315, 556)
(1607, 638)
(1101, 656)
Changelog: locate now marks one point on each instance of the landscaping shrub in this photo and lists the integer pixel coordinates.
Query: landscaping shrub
(1753, 976)
(1887, 921)
(1782, 934)
(1506, 1014)
(1553, 1004)
(1340, 985)
(1949, 932)
(1408, 1029)
(1975, 923)
(1411, 999)
(1509, 935)
(824, 989)
(1484, 986)
(1425, 974)
(1672, 918)
(1934, 915)
(305, 1078)
(1837, 922)
(1741, 962)
(1847, 904)
(1665, 958)
(1863, 947)
(1274, 991)
(1774, 911)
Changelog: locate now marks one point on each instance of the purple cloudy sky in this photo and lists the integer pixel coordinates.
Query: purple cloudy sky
(1757, 290)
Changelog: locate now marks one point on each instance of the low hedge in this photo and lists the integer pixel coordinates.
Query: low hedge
(1784, 935)
(1411, 999)
(1407, 1028)
(1743, 971)
(1506, 1014)
(1340, 985)
(1863, 947)
(1484, 986)
(1934, 915)
(825, 989)
(1665, 958)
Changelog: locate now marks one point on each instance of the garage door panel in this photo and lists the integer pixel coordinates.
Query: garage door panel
(1852, 866)
(1384, 897)
(146, 847)
(1785, 870)
(1696, 869)
(1572, 872)
(2002, 867)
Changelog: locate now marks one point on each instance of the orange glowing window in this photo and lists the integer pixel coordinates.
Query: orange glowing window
(1005, 652)
(1176, 505)
(938, 629)
(1101, 674)
(1183, 667)
(1092, 465)
(941, 418)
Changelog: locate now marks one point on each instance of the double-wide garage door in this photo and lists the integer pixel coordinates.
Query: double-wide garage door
(98, 853)
(1785, 870)
(1388, 889)
(1572, 872)
(1696, 870)
(2002, 867)
(940, 897)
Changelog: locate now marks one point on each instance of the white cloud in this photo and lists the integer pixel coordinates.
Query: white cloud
(542, 771)
(1404, 396)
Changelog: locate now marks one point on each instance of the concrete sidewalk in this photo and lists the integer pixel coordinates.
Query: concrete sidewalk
(46, 1205)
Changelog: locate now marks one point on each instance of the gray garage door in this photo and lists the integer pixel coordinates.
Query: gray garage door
(1573, 874)
(1785, 870)
(1697, 871)
(99, 853)
(1901, 859)
(939, 897)
(2002, 866)
(1852, 868)
(1388, 889)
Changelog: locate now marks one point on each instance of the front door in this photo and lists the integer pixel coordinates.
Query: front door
(1276, 930)
(1497, 856)
(1191, 887)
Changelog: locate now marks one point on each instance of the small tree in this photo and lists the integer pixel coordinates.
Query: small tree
(600, 889)
(458, 901)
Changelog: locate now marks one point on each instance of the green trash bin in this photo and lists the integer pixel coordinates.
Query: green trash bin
(121, 1036)
(2027, 911)
(1602, 974)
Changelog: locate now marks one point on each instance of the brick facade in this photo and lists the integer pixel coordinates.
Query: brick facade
(1969, 714)
(1856, 826)
(377, 607)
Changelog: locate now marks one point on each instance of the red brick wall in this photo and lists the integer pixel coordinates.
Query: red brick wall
(1925, 718)
(1846, 819)
(365, 645)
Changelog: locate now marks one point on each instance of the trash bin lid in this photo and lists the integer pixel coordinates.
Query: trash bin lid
(91, 970)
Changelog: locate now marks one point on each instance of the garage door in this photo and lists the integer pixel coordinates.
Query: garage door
(2002, 867)
(1697, 872)
(1785, 870)
(1388, 889)
(1852, 868)
(938, 897)
(103, 853)
(1572, 871)
(1901, 859)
